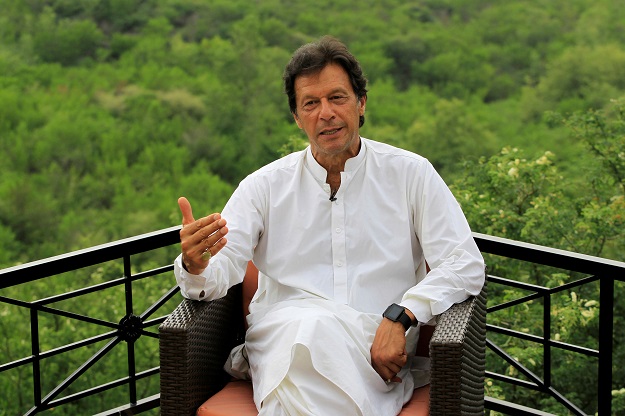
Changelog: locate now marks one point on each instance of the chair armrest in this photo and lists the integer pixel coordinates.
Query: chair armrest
(458, 354)
(194, 343)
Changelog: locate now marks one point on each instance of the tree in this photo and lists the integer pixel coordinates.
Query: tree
(522, 198)
(65, 41)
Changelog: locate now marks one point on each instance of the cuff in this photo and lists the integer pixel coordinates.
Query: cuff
(421, 310)
(192, 286)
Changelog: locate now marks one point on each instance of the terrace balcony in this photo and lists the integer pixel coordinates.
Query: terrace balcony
(89, 321)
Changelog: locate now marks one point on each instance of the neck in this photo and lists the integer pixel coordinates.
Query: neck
(334, 163)
(334, 180)
(334, 169)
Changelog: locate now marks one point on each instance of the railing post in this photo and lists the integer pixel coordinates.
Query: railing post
(34, 340)
(606, 327)
(130, 343)
(546, 339)
(132, 372)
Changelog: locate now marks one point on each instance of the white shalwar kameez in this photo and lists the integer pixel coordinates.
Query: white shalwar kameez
(328, 269)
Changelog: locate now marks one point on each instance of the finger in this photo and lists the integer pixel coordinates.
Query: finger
(395, 368)
(391, 377)
(385, 371)
(213, 249)
(391, 372)
(218, 246)
(208, 230)
(400, 361)
(195, 243)
(185, 209)
(215, 241)
(194, 255)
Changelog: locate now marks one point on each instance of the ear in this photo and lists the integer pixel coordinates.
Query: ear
(297, 120)
(362, 101)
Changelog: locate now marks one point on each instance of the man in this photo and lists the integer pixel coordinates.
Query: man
(342, 233)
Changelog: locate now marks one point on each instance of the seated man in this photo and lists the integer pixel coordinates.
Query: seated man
(344, 234)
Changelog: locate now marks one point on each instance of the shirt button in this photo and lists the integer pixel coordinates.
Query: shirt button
(338, 230)
(339, 264)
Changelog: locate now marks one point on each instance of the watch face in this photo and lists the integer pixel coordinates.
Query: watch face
(393, 312)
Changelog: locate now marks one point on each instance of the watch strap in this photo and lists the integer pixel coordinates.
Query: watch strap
(397, 313)
(405, 320)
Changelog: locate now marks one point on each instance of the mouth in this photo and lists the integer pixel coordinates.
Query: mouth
(330, 132)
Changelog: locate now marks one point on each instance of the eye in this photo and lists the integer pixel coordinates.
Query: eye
(339, 99)
(309, 105)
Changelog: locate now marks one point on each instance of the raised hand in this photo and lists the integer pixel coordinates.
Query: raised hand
(200, 239)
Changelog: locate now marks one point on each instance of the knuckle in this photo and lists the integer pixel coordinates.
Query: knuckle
(185, 245)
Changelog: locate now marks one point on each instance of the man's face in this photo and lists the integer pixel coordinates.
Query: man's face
(328, 111)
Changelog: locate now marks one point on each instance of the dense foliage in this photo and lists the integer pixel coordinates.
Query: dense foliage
(111, 109)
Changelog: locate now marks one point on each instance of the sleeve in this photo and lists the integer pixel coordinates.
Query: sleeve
(243, 213)
(456, 264)
(212, 283)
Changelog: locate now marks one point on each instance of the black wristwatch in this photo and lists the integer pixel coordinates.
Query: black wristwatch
(398, 313)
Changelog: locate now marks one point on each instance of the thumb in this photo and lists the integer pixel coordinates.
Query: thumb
(187, 212)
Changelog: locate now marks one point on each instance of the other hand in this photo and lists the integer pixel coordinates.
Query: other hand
(388, 351)
(200, 239)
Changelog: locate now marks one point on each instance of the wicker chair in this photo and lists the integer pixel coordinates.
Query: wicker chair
(196, 339)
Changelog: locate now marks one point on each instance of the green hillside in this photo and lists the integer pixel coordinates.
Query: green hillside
(112, 109)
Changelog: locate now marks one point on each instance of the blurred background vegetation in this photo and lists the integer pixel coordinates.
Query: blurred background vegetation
(112, 109)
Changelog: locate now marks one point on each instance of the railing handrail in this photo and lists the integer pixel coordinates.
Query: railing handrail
(534, 253)
(519, 250)
(74, 260)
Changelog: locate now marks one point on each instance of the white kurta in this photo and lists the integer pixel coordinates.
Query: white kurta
(359, 253)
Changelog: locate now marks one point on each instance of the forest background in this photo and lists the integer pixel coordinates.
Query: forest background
(112, 109)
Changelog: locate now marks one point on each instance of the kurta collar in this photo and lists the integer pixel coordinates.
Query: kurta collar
(351, 165)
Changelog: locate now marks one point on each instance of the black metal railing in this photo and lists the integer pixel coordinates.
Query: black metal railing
(132, 325)
(126, 330)
(596, 270)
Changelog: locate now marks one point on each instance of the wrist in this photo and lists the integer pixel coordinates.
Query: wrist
(188, 268)
(397, 313)
(413, 319)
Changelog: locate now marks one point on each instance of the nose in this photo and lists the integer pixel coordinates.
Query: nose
(326, 111)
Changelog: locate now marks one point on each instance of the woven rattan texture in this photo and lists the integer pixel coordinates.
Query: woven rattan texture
(458, 352)
(194, 343)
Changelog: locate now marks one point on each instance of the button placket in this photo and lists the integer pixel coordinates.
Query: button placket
(339, 254)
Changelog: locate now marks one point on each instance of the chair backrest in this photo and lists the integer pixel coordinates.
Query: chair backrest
(250, 284)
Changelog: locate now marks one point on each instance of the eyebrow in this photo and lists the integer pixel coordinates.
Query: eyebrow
(334, 91)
